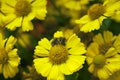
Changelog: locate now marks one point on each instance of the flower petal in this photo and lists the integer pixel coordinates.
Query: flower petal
(27, 24)
(14, 23)
(93, 50)
(64, 69)
(90, 26)
(10, 43)
(77, 50)
(40, 51)
(98, 39)
(42, 66)
(7, 6)
(58, 34)
(117, 44)
(45, 43)
(103, 73)
(91, 68)
(55, 73)
(73, 41)
(85, 19)
(108, 37)
(76, 61)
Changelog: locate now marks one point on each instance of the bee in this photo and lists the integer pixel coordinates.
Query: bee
(60, 40)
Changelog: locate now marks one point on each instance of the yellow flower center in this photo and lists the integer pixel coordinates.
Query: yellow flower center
(3, 56)
(22, 8)
(96, 11)
(99, 61)
(58, 54)
(104, 48)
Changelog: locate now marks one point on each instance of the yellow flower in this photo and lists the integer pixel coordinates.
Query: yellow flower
(102, 55)
(96, 14)
(59, 56)
(9, 60)
(23, 11)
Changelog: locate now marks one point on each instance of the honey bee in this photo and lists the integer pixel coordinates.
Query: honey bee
(60, 40)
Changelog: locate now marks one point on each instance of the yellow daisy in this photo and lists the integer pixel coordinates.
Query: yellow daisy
(9, 60)
(102, 55)
(96, 14)
(23, 11)
(59, 56)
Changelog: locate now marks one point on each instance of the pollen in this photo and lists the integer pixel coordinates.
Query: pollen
(58, 54)
(3, 56)
(22, 8)
(95, 11)
(99, 61)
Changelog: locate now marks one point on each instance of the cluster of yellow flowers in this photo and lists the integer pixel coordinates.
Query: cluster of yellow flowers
(66, 52)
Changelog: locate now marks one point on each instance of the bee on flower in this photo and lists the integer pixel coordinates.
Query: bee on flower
(59, 56)
(9, 60)
(102, 55)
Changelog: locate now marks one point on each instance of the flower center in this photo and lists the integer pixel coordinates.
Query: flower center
(58, 54)
(96, 11)
(99, 61)
(22, 8)
(104, 48)
(3, 56)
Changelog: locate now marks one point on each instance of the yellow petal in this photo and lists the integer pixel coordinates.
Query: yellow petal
(85, 19)
(2, 42)
(76, 61)
(54, 73)
(64, 69)
(89, 60)
(113, 64)
(13, 53)
(90, 26)
(14, 23)
(39, 3)
(31, 16)
(43, 66)
(58, 34)
(108, 37)
(77, 50)
(40, 13)
(91, 68)
(72, 41)
(92, 50)
(98, 39)
(40, 51)
(45, 43)
(5, 71)
(27, 24)
(12, 70)
(117, 43)
(103, 73)
(111, 52)
(5, 8)
(10, 43)
(111, 9)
